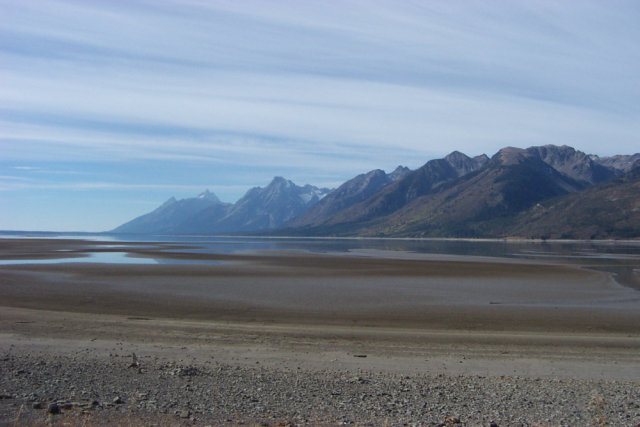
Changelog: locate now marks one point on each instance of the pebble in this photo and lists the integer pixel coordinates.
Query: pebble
(216, 394)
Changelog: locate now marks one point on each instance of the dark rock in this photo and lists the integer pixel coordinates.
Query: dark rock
(188, 371)
(53, 408)
(37, 405)
(118, 400)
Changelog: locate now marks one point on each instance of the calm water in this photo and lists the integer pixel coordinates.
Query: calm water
(593, 253)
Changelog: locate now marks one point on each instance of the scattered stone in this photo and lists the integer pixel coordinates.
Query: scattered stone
(451, 420)
(188, 371)
(235, 394)
(134, 361)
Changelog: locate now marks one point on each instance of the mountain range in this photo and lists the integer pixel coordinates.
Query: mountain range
(258, 210)
(539, 192)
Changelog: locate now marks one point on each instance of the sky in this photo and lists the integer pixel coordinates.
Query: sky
(108, 108)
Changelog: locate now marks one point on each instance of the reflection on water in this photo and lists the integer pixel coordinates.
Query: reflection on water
(496, 248)
(99, 257)
(595, 253)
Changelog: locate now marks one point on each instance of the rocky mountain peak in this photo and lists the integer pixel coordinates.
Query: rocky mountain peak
(573, 163)
(399, 173)
(621, 163)
(452, 196)
(279, 181)
(481, 160)
(510, 156)
(456, 157)
(208, 195)
(460, 162)
(169, 202)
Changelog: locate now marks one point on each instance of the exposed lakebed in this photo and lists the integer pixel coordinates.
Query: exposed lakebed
(267, 318)
(621, 258)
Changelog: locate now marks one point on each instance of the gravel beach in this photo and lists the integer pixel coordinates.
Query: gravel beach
(108, 390)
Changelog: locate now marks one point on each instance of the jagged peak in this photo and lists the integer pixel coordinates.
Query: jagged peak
(464, 164)
(401, 168)
(511, 156)
(620, 162)
(208, 195)
(557, 147)
(399, 172)
(374, 172)
(561, 151)
(456, 155)
(169, 202)
(280, 181)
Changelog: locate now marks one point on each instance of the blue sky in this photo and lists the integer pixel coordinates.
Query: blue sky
(108, 108)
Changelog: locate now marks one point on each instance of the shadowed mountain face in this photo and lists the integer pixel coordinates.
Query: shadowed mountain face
(608, 210)
(348, 194)
(574, 164)
(545, 191)
(462, 206)
(513, 180)
(403, 191)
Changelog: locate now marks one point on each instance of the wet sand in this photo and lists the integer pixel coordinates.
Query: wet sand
(364, 289)
(408, 314)
(367, 288)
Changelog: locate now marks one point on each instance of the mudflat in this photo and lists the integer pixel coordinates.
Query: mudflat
(448, 323)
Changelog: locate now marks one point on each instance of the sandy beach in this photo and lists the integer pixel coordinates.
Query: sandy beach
(522, 328)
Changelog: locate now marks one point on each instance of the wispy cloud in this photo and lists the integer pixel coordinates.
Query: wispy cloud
(17, 183)
(376, 74)
(312, 90)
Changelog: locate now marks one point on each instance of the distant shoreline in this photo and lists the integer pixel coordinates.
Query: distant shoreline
(301, 237)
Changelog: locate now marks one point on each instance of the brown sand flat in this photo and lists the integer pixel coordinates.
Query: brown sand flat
(312, 289)
(416, 292)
